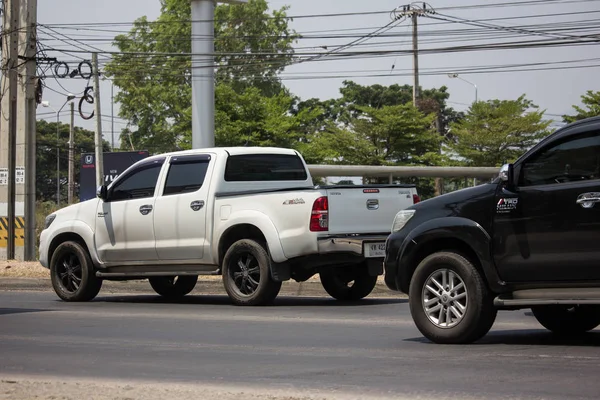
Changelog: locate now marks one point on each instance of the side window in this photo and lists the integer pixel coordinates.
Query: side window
(137, 185)
(185, 176)
(572, 159)
(264, 167)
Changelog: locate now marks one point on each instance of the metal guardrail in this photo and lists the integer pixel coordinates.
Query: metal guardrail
(403, 171)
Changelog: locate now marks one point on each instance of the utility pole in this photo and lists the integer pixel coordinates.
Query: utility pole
(203, 71)
(30, 133)
(99, 154)
(71, 190)
(414, 11)
(112, 116)
(415, 38)
(13, 48)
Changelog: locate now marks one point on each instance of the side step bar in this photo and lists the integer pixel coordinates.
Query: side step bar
(146, 271)
(544, 297)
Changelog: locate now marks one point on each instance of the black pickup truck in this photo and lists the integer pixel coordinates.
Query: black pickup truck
(528, 239)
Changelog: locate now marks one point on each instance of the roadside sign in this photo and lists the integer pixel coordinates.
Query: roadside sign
(114, 164)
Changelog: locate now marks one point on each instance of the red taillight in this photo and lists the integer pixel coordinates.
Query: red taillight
(416, 198)
(319, 221)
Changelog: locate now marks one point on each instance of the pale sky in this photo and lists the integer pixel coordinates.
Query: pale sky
(553, 90)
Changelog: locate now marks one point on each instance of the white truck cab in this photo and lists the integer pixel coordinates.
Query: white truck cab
(250, 214)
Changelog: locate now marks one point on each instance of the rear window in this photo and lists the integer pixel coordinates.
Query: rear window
(264, 167)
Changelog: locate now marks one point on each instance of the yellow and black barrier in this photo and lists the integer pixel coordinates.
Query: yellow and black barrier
(19, 231)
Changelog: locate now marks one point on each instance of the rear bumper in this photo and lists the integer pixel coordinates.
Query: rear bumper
(348, 244)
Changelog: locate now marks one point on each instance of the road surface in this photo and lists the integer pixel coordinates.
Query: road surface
(298, 347)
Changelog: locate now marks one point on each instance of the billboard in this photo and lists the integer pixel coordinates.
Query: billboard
(114, 165)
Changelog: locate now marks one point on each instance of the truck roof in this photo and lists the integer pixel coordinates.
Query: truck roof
(234, 151)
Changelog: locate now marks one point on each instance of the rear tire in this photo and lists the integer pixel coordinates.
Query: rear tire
(247, 274)
(568, 319)
(173, 287)
(72, 273)
(348, 283)
(449, 301)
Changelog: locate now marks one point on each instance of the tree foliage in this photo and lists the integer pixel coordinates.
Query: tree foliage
(45, 165)
(591, 103)
(153, 67)
(389, 135)
(497, 131)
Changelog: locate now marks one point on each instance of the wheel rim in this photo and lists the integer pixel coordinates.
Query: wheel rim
(445, 298)
(245, 273)
(69, 272)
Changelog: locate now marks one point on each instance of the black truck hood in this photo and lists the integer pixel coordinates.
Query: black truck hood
(474, 203)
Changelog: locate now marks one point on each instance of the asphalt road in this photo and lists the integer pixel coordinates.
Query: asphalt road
(370, 348)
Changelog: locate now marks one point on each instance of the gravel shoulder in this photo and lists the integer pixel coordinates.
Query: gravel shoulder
(18, 388)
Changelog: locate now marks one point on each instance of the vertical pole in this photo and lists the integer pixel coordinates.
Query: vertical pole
(112, 116)
(415, 58)
(71, 156)
(12, 126)
(203, 83)
(57, 161)
(30, 134)
(391, 179)
(98, 139)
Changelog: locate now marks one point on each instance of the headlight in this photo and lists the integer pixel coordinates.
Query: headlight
(49, 219)
(401, 219)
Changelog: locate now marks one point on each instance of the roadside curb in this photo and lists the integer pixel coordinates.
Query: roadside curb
(212, 286)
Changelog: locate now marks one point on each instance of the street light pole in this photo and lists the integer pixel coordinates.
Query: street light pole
(464, 80)
(47, 104)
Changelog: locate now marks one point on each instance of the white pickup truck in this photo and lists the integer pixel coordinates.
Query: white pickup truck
(249, 214)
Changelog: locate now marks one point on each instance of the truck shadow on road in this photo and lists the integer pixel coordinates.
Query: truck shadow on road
(530, 337)
(222, 300)
(7, 311)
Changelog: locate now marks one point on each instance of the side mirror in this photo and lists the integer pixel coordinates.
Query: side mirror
(506, 174)
(102, 192)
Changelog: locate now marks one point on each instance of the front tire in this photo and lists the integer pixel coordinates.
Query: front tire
(568, 319)
(348, 283)
(449, 301)
(72, 273)
(247, 274)
(173, 287)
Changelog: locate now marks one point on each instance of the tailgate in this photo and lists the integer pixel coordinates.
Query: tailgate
(366, 209)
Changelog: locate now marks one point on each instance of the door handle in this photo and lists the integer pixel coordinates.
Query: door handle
(145, 210)
(587, 200)
(197, 205)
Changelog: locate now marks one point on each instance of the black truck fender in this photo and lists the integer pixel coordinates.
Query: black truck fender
(443, 234)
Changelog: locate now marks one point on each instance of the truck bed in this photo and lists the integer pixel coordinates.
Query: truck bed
(366, 209)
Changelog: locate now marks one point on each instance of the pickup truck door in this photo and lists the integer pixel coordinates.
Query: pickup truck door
(124, 222)
(181, 209)
(544, 230)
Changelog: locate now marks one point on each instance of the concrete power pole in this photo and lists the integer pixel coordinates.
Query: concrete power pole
(414, 12)
(71, 190)
(98, 111)
(415, 38)
(30, 133)
(203, 71)
(12, 70)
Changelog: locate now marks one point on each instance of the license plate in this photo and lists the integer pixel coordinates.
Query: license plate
(375, 250)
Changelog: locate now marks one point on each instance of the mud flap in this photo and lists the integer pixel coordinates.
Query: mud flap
(375, 266)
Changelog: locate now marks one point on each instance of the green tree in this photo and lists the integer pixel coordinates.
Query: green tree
(591, 102)
(45, 164)
(153, 70)
(497, 131)
(376, 96)
(389, 135)
(251, 119)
